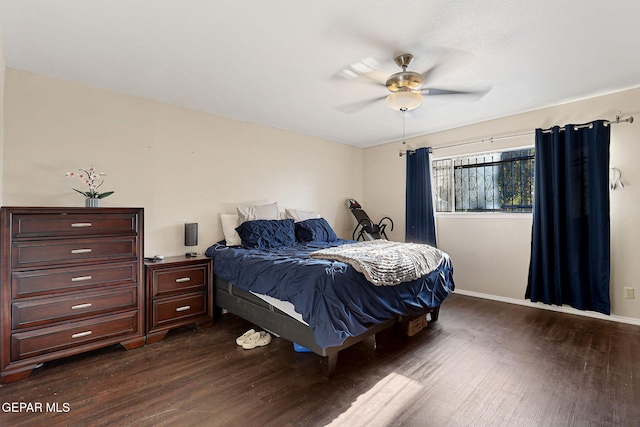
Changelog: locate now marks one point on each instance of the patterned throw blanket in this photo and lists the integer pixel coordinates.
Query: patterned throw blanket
(385, 263)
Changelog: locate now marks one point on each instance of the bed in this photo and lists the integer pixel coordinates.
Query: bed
(281, 279)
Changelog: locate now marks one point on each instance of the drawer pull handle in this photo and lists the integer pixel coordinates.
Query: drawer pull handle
(80, 278)
(81, 251)
(183, 308)
(81, 334)
(183, 279)
(79, 306)
(81, 224)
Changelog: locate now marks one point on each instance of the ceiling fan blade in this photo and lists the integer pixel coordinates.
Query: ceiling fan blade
(358, 69)
(428, 73)
(354, 107)
(436, 91)
(365, 78)
(445, 62)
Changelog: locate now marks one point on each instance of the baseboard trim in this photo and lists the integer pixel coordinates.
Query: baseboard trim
(568, 310)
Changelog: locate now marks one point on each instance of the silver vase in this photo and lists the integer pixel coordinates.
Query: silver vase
(91, 203)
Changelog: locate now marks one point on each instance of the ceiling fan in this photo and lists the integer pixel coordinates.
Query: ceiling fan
(407, 88)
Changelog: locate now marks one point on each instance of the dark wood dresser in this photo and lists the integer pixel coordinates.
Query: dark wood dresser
(71, 281)
(179, 292)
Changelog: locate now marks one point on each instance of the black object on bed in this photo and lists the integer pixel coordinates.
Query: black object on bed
(338, 304)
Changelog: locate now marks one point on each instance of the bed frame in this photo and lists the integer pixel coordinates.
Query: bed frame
(255, 310)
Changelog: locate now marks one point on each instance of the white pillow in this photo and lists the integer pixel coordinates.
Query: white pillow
(229, 224)
(298, 215)
(252, 213)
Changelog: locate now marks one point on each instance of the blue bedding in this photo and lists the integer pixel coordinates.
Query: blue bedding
(332, 297)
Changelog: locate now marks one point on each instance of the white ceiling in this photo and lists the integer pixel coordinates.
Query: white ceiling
(277, 62)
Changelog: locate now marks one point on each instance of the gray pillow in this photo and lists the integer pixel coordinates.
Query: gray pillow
(252, 213)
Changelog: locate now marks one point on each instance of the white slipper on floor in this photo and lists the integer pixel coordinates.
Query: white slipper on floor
(242, 338)
(258, 339)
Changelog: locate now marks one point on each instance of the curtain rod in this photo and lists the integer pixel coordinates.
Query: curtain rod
(492, 139)
(590, 125)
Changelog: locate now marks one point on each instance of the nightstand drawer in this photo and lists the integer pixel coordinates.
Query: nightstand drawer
(47, 281)
(168, 310)
(183, 279)
(59, 252)
(48, 340)
(72, 225)
(33, 312)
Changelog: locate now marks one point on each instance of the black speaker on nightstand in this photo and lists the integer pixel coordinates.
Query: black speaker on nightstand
(191, 237)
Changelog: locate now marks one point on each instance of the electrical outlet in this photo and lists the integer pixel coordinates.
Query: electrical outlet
(629, 293)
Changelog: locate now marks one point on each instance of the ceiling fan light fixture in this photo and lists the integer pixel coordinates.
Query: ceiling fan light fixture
(404, 100)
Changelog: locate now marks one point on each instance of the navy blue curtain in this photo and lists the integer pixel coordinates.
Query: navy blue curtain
(570, 243)
(420, 222)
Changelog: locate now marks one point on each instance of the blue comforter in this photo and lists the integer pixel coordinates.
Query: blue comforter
(332, 297)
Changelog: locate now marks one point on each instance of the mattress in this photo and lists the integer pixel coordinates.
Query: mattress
(335, 300)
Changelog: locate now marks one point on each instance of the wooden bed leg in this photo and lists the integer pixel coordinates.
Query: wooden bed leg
(328, 365)
(433, 316)
(383, 339)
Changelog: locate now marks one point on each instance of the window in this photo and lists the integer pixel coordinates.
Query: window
(488, 182)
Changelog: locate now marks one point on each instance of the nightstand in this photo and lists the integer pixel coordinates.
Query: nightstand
(179, 293)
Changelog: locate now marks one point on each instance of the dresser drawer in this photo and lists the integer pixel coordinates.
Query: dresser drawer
(48, 281)
(28, 254)
(26, 314)
(183, 279)
(72, 225)
(51, 339)
(168, 310)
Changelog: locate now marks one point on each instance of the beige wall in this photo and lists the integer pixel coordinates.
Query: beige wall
(180, 165)
(491, 252)
(183, 165)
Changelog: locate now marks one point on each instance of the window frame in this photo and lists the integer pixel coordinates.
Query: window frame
(478, 214)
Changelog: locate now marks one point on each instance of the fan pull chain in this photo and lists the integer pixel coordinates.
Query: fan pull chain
(406, 148)
(404, 110)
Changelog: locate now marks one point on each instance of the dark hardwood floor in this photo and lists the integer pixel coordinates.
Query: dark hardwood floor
(483, 363)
